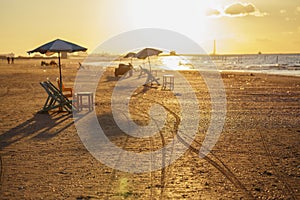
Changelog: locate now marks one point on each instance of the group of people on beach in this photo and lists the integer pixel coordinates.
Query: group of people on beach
(10, 60)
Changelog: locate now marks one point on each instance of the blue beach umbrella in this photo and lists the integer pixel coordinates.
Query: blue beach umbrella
(58, 46)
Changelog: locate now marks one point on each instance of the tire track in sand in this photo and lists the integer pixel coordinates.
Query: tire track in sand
(289, 190)
(163, 170)
(214, 161)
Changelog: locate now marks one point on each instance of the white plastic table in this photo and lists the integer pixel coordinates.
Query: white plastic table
(168, 80)
(88, 103)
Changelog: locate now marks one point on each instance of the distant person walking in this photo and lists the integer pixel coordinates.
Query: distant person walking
(8, 60)
(12, 60)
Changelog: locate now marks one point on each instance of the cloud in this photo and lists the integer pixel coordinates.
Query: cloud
(213, 12)
(288, 19)
(242, 9)
(237, 10)
(283, 11)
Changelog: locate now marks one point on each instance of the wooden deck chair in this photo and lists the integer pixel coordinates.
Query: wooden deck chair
(65, 89)
(150, 77)
(141, 71)
(55, 98)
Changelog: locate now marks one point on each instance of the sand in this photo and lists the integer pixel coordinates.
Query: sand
(256, 157)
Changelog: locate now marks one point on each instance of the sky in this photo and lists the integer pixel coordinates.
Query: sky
(238, 26)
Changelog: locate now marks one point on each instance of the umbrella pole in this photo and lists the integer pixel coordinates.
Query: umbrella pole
(149, 64)
(60, 77)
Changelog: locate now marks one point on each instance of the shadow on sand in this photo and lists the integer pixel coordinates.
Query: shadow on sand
(40, 126)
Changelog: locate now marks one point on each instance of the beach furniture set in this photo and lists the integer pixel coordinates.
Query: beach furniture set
(58, 100)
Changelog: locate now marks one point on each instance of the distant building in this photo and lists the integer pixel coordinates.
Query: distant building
(173, 53)
(215, 49)
(64, 55)
(81, 54)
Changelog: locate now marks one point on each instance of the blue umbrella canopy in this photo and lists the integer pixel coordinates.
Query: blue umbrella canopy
(58, 46)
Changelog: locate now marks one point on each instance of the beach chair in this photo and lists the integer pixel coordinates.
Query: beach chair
(150, 77)
(55, 99)
(123, 69)
(65, 89)
(142, 73)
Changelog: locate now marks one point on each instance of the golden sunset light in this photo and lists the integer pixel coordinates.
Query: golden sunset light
(150, 99)
(237, 26)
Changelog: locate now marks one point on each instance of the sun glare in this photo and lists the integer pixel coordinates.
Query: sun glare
(167, 13)
(189, 18)
(175, 63)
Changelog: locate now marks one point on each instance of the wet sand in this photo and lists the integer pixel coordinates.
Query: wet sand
(256, 157)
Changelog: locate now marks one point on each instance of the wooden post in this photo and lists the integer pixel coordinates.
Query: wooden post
(60, 77)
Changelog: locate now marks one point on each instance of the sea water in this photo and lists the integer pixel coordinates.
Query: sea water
(283, 64)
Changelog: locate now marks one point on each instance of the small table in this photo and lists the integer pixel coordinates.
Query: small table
(168, 80)
(89, 103)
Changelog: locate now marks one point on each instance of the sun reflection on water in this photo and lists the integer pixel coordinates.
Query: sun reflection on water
(175, 63)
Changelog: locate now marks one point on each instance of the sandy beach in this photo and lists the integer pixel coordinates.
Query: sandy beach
(256, 157)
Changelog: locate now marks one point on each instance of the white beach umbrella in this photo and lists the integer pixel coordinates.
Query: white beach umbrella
(146, 53)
